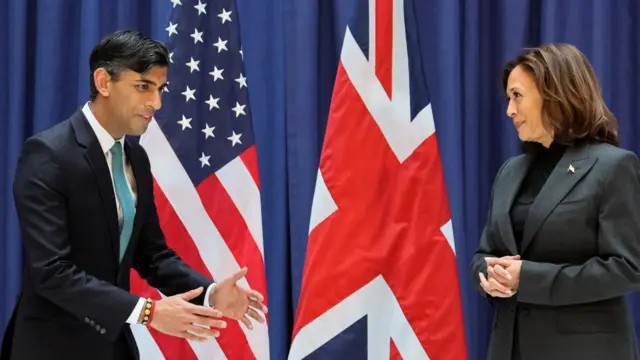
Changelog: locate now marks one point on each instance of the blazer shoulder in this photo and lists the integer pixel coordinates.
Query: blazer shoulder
(603, 150)
(615, 165)
(611, 156)
(510, 163)
(55, 138)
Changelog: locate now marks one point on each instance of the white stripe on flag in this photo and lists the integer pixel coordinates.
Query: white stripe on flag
(147, 346)
(239, 184)
(209, 349)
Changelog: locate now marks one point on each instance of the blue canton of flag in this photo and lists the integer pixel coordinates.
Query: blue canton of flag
(205, 114)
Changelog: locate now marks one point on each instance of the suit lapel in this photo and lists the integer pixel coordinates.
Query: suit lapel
(136, 165)
(96, 158)
(512, 181)
(558, 185)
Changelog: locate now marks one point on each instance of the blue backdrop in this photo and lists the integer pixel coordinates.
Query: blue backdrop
(291, 50)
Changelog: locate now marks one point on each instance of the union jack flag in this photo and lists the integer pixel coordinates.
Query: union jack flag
(203, 158)
(380, 278)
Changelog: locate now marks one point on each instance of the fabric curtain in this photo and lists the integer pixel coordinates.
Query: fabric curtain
(291, 51)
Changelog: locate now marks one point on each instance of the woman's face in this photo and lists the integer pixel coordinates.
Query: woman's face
(525, 107)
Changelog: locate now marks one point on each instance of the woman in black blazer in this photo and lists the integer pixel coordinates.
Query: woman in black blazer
(561, 245)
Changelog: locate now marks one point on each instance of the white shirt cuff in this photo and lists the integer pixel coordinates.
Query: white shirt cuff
(206, 295)
(135, 314)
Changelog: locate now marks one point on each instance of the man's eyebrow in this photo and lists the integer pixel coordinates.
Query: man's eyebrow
(147, 82)
(151, 82)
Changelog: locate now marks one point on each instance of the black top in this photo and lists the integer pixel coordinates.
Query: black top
(543, 164)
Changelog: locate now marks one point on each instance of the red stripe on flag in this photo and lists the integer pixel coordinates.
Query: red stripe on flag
(384, 43)
(176, 235)
(250, 159)
(171, 347)
(233, 229)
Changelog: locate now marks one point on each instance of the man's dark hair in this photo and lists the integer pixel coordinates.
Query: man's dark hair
(126, 50)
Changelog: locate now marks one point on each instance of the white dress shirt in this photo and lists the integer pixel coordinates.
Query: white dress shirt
(106, 143)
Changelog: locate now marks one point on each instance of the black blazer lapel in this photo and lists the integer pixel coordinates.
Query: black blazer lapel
(574, 164)
(137, 166)
(95, 157)
(510, 184)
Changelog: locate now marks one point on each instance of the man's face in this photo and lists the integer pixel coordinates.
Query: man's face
(133, 99)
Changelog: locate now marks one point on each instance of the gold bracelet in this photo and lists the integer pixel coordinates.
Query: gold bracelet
(148, 311)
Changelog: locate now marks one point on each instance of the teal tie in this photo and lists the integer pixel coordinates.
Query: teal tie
(124, 196)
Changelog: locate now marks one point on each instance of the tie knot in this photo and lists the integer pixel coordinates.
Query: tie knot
(116, 149)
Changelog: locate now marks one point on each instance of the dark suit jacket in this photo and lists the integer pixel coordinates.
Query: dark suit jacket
(581, 255)
(75, 300)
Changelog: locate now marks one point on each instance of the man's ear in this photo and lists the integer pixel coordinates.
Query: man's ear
(101, 79)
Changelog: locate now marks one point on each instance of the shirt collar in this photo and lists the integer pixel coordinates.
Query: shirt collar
(106, 141)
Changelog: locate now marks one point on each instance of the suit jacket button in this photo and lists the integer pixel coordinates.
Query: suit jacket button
(86, 320)
(98, 327)
(92, 323)
(103, 331)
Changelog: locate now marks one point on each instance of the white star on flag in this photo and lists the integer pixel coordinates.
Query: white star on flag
(235, 139)
(217, 73)
(239, 109)
(208, 131)
(221, 45)
(185, 122)
(225, 15)
(213, 102)
(204, 160)
(242, 81)
(200, 7)
(193, 65)
(189, 94)
(197, 36)
(172, 28)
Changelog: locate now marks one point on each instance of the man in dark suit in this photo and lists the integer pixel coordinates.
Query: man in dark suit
(85, 202)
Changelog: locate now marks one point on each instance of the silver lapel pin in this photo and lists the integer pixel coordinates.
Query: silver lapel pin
(571, 169)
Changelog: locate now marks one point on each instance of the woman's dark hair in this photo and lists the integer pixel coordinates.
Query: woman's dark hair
(573, 106)
(126, 50)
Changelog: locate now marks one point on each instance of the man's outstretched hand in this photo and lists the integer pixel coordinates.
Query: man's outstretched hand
(236, 302)
(176, 316)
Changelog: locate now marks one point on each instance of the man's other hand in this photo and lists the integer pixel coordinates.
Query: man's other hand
(236, 302)
(176, 316)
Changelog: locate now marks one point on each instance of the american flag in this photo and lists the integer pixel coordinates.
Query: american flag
(203, 157)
